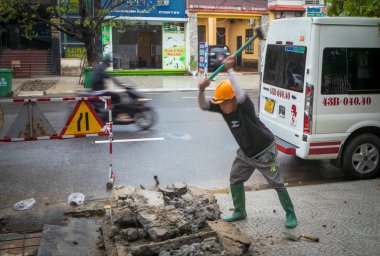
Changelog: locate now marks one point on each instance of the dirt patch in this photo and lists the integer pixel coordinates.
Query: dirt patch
(37, 85)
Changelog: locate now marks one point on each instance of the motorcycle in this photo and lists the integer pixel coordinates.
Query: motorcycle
(136, 107)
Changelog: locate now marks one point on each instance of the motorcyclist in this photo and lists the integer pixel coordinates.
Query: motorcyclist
(99, 87)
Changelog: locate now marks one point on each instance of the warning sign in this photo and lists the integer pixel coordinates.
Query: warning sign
(83, 120)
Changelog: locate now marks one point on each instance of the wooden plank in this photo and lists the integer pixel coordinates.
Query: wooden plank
(16, 236)
(29, 251)
(19, 243)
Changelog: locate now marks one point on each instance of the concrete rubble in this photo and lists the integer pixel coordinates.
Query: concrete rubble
(172, 221)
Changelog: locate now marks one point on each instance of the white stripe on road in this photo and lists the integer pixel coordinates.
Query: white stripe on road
(128, 140)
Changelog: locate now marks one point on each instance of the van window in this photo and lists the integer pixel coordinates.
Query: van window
(350, 70)
(285, 66)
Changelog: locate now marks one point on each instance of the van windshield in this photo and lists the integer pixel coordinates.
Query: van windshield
(285, 66)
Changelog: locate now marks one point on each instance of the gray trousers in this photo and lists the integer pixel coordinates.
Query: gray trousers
(243, 167)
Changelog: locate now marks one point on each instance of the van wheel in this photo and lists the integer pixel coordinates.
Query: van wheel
(361, 157)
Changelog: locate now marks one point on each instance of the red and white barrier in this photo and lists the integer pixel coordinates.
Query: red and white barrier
(23, 124)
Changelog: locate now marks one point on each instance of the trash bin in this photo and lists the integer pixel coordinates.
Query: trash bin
(87, 73)
(6, 82)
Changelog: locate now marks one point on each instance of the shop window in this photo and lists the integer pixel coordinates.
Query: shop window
(248, 35)
(137, 46)
(221, 36)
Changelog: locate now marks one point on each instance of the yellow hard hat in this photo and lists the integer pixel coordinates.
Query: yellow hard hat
(223, 92)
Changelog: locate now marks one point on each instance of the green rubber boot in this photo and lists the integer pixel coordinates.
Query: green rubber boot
(286, 202)
(238, 197)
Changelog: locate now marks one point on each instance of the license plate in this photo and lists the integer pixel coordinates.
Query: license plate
(269, 106)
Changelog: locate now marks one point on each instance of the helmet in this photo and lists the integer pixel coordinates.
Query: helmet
(106, 58)
(223, 92)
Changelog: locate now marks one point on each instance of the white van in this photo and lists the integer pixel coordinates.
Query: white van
(320, 90)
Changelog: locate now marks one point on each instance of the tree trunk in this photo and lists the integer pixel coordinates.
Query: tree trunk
(91, 50)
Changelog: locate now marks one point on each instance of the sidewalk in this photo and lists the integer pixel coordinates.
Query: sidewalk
(345, 216)
(69, 85)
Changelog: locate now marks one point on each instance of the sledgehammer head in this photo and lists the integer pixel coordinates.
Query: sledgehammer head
(259, 33)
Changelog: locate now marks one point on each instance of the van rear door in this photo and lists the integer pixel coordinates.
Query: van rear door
(282, 95)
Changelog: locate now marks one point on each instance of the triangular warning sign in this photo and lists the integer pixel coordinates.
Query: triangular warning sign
(83, 120)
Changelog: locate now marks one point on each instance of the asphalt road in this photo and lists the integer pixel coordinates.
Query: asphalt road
(195, 147)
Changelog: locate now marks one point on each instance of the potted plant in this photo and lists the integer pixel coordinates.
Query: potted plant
(193, 64)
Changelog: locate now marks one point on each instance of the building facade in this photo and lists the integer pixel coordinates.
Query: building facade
(228, 23)
(280, 9)
(149, 35)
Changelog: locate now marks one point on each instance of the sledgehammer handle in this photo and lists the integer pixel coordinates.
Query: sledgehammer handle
(311, 238)
(259, 34)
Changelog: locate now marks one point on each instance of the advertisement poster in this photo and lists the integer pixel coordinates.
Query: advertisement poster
(173, 45)
(107, 41)
(203, 61)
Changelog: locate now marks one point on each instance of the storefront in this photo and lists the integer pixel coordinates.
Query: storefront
(229, 23)
(149, 35)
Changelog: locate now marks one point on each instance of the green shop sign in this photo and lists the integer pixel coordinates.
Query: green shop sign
(107, 40)
(73, 52)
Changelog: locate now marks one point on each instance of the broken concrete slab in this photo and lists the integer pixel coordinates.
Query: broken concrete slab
(232, 240)
(167, 245)
(165, 221)
(89, 209)
(166, 191)
(154, 198)
(122, 192)
(180, 188)
(124, 217)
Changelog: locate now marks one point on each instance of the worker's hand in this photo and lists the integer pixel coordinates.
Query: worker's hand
(229, 62)
(203, 85)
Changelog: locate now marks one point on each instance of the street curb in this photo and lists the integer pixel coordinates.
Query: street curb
(30, 93)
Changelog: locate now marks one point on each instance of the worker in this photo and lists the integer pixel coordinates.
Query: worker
(257, 145)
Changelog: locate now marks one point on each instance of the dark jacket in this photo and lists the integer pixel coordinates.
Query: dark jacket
(250, 133)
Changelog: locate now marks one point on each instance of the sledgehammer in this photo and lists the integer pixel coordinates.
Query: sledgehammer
(259, 34)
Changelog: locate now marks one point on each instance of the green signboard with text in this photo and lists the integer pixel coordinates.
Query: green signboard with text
(173, 45)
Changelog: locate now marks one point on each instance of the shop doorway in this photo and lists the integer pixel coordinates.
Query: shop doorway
(221, 36)
(201, 33)
(137, 46)
(238, 45)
